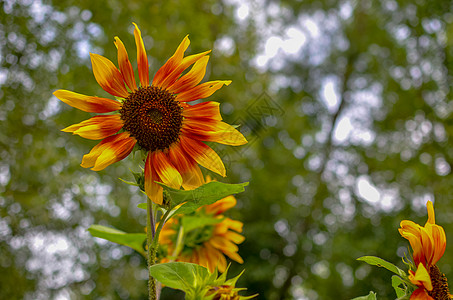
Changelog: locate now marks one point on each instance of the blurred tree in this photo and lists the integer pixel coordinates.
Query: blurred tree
(350, 136)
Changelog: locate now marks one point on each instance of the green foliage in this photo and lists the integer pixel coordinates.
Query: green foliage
(190, 278)
(194, 280)
(133, 240)
(376, 261)
(400, 287)
(206, 194)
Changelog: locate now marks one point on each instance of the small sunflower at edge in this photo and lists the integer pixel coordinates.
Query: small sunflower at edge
(428, 244)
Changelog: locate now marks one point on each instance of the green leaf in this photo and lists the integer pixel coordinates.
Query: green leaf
(203, 195)
(193, 222)
(396, 282)
(133, 240)
(206, 194)
(187, 277)
(376, 261)
(370, 296)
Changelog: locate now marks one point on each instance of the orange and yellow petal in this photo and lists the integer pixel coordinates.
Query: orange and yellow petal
(109, 151)
(222, 244)
(221, 205)
(125, 65)
(98, 127)
(217, 258)
(420, 294)
(171, 63)
(166, 171)
(431, 216)
(234, 237)
(212, 131)
(437, 238)
(421, 277)
(187, 167)
(152, 189)
(234, 256)
(175, 65)
(87, 103)
(192, 78)
(142, 59)
(203, 155)
(209, 110)
(108, 76)
(233, 224)
(201, 91)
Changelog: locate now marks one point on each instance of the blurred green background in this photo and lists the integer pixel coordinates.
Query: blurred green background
(347, 106)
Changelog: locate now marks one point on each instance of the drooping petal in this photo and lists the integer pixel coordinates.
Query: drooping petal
(142, 59)
(98, 127)
(109, 151)
(108, 76)
(216, 256)
(203, 155)
(187, 167)
(201, 91)
(152, 189)
(233, 224)
(234, 237)
(221, 205)
(165, 170)
(212, 131)
(125, 65)
(87, 103)
(223, 244)
(171, 63)
(204, 110)
(207, 259)
(234, 256)
(192, 78)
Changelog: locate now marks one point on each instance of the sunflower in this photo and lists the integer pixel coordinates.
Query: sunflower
(207, 244)
(156, 117)
(428, 244)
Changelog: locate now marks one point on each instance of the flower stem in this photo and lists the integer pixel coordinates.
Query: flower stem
(153, 244)
(151, 254)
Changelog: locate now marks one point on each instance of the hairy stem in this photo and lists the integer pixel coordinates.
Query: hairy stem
(150, 225)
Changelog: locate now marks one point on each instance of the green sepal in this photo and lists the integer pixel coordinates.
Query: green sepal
(132, 240)
(370, 296)
(128, 182)
(140, 180)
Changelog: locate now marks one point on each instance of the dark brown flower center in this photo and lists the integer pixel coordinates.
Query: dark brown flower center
(440, 285)
(153, 117)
